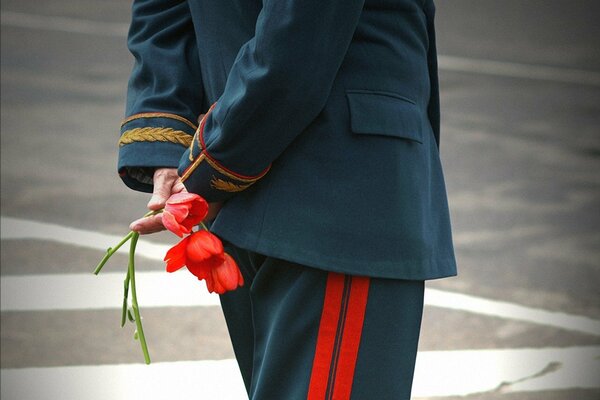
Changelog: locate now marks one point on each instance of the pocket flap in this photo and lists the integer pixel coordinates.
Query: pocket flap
(382, 113)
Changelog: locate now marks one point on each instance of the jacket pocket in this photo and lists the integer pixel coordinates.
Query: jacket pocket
(383, 113)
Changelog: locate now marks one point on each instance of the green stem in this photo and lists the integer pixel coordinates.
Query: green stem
(151, 213)
(111, 251)
(125, 295)
(136, 311)
(203, 226)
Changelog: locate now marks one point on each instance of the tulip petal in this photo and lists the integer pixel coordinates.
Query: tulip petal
(227, 273)
(210, 283)
(179, 211)
(198, 210)
(171, 224)
(176, 256)
(203, 246)
(188, 210)
(217, 283)
(199, 270)
(183, 197)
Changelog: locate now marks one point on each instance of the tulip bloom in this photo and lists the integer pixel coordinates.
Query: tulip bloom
(183, 211)
(203, 255)
(199, 252)
(225, 277)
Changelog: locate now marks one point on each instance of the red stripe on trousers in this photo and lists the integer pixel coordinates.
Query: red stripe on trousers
(326, 337)
(355, 317)
(328, 330)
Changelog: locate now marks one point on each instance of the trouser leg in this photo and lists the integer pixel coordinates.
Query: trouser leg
(237, 309)
(315, 335)
(387, 355)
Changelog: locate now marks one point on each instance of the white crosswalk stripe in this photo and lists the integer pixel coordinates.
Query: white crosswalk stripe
(90, 292)
(458, 373)
(180, 289)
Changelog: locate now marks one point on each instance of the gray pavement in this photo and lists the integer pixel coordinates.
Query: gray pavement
(521, 158)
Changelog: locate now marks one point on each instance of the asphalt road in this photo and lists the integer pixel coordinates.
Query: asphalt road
(520, 92)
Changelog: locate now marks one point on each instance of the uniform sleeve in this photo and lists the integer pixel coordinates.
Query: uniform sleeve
(277, 85)
(165, 94)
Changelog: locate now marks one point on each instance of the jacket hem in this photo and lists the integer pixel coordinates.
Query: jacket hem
(434, 268)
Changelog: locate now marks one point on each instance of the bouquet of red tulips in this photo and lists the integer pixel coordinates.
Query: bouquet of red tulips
(200, 251)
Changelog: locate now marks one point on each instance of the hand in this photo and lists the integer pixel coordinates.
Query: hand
(166, 183)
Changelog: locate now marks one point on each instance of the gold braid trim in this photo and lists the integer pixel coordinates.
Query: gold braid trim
(228, 174)
(194, 139)
(150, 134)
(192, 167)
(202, 157)
(159, 115)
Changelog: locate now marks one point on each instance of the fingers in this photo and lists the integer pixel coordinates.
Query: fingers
(148, 225)
(178, 187)
(164, 181)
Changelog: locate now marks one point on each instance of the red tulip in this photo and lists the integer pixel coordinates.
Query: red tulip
(206, 249)
(183, 211)
(225, 277)
(202, 253)
(199, 252)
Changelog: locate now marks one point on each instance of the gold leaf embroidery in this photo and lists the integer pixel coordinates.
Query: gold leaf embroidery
(225, 186)
(150, 134)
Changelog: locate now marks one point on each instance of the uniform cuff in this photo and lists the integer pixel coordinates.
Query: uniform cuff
(203, 174)
(149, 141)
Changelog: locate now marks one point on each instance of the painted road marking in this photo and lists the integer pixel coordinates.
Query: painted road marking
(74, 291)
(13, 228)
(449, 63)
(463, 372)
(105, 291)
(502, 309)
(519, 70)
(180, 289)
(456, 372)
(63, 24)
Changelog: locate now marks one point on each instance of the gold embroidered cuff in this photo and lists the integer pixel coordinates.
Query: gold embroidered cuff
(152, 134)
(209, 179)
(206, 176)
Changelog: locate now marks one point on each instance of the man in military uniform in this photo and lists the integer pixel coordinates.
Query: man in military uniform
(318, 151)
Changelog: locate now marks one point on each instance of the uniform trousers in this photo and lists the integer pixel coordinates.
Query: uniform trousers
(305, 333)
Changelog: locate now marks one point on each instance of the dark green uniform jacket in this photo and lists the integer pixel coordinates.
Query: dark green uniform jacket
(322, 131)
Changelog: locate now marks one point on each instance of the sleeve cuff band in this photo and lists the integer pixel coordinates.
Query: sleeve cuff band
(159, 115)
(222, 170)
